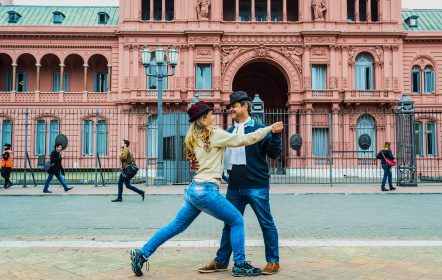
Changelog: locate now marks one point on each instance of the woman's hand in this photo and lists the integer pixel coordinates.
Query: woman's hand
(277, 127)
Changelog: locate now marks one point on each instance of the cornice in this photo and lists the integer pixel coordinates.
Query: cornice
(41, 35)
(53, 46)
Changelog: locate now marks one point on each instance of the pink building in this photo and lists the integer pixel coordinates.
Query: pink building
(302, 57)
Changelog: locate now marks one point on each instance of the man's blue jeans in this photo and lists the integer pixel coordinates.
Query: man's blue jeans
(259, 200)
(122, 181)
(202, 196)
(59, 177)
(387, 175)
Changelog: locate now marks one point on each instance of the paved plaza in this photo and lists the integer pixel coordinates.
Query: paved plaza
(340, 232)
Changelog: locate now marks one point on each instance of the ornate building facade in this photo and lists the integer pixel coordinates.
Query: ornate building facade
(298, 55)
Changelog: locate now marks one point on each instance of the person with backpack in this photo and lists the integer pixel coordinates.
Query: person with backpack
(126, 159)
(387, 162)
(56, 169)
(7, 162)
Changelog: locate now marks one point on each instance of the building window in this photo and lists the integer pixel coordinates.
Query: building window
(418, 138)
(54, 131)
(319, 76)
(157, 9)
(154, 69)
(102, 138)
(88, 137)
(57, 82)
(374, 10)
(6, 132)
(145, 9)
(13, 17)
(245, 11)
(103, 17)
(351, 10)
(364, 72)
(431, 139)
(412, 21)
(320, 142)
(170, 10)
(203, 76)
(40, 137)
(415, 79)
(261, 10)
(21, 82)
(292, 10)
(276, 10)
(229, 10)
(366, 127)
(58, 17)
(429, 80)
(100, 83)
(362, 10)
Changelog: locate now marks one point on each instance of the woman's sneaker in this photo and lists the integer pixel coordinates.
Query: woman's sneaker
(137, 262)
(245, 270)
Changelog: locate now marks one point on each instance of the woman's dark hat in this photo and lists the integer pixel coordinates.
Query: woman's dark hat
(238, 96)
(197, 110)
(8, 146)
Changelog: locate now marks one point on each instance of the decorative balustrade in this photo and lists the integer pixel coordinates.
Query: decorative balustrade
(369, 96)
(321, 95)
(55, 97)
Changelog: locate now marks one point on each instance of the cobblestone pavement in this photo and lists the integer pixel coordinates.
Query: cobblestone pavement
(411, 218)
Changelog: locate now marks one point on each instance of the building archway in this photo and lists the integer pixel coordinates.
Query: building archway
(266, 80)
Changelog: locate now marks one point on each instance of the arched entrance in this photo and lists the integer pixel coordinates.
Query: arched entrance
(265, 79)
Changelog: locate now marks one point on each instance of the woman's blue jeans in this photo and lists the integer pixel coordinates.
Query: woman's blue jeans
(387, 175)
(202, 196)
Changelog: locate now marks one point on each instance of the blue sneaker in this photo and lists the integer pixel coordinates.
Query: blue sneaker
(137, 262)
(245, 270)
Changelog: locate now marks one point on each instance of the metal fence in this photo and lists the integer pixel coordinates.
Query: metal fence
(338, 146)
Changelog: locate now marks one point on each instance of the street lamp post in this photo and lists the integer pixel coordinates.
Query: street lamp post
(172, 59)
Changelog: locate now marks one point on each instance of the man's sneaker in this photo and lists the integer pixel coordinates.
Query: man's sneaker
(213, 266)
(271, 268)
(245, 270)
(137, 262)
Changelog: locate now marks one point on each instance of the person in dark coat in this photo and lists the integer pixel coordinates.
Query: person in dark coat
(383, 154)
(56, 169)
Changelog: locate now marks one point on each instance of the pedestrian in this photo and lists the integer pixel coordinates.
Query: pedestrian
(248, 184)
(56, 169)
(387, 162)
(206, 143)
(7, 162)
(126, 158)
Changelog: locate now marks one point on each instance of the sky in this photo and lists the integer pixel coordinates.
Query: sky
(411, 4)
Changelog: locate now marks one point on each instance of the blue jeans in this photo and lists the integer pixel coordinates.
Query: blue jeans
(387, 175)
(202, 196)
(59, 177)
(122, 180)
(259, 200)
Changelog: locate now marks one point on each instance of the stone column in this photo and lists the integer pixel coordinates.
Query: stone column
(109, 77)
(62, 77)
(345, 75)
(356, 10)
(284, 10)
(38, 65)
(308, 135)
(151, 16)
(306, 67)
(85, 77)
(217, 72)
(368, 5)
(163, 9)
(269, 10)
(14, 76)
(237, 10)
(253, 11)
(332, 84)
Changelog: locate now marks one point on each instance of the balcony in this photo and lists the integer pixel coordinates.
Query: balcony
(321, 95)
(369, 96)
(55, 97)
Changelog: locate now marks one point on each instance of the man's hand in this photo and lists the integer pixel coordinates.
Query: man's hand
(277, 127)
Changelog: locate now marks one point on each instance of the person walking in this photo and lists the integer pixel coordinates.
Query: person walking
(126, 158)
(56, 169)
(248, 184)
(7, 162)
(206, 143)
(385, 155)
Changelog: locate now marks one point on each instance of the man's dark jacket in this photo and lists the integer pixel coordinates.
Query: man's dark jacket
(55, 158)
(255, 174)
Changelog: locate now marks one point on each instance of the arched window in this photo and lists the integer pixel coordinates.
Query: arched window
(364, 72)
(102, 137)
(88, 138)
(419, 138)
(415, 79)
(6, 132)
(429, 79)
(40, 137)
(431, 139)
(366, 132)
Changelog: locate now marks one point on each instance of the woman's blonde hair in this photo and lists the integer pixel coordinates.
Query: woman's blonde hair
(198, 130)
(387, 145)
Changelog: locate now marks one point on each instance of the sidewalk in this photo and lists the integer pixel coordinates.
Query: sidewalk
(274, 189)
